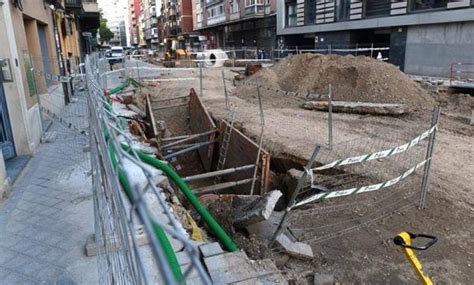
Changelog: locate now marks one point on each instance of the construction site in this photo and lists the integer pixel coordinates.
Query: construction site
(299, 171)
(236, 142)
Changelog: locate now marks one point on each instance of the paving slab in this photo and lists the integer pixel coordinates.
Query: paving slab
(45, 220)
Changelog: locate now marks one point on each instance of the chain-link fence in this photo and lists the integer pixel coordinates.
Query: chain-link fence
(59, 89)
(358, 182)
(143, 208)
(365, 168)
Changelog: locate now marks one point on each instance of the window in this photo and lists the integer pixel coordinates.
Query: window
(343, 8)
(310, 12)
(428, 4)
(235, 6)
(249, 3)
(291, 14)
(215, 11)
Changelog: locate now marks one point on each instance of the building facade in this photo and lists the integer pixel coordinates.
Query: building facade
(134, 11)
(150, 12)
(424, 36)
(236, 23)
(177, 18)
(116, 13)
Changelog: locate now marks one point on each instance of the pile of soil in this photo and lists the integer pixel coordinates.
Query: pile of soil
(358, 79)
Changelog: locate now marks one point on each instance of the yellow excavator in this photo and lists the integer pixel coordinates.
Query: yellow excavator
(176, 53)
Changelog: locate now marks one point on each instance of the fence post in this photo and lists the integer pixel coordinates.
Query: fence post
(225, 90)
(357, 49)
(429, 157)
(234, 57)
(291, 202)
(200, 79)
(260, 144)
(329, 49)
(372, 50)
(330, 117)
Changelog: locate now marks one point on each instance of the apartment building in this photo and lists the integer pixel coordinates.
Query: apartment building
(116, 13)
(134, 11)
(236, 23)
(149, 17)
(177, 18)
(424, 36)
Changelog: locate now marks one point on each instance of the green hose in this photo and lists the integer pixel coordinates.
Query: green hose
(213, 225)
(118, 88)
(159, 232)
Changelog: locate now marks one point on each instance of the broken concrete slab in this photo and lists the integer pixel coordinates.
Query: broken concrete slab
(238, 268)
(264, 230)
(323, 279)
(254, 209)
(211, 249)
(49, 137)
(384, 109)
(294, 248)
(113, 244)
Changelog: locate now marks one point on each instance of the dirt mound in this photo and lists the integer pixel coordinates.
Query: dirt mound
(360, 79)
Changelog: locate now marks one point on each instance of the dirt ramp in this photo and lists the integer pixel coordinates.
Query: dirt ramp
(360, 79)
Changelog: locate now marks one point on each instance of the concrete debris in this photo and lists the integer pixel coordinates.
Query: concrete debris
(254, 209)
(122, 110)
(359, 107)
(137, 177)
(211, 249)
(323, 279)
(137, 110)
(91, 248)
(236, 267)
(49, 137)
(294, 248)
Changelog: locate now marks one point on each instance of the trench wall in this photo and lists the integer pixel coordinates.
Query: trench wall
(243, 151)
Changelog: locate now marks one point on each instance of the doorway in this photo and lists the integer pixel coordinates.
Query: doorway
(6, 136)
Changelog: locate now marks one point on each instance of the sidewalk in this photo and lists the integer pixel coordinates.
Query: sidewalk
(45, 222)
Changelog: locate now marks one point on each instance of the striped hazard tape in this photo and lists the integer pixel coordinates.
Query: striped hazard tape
(379, 154)
(64, 79)
(279, 92)
(352, 191)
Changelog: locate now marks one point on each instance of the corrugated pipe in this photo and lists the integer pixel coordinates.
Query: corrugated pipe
(207, 217)
(159, 232)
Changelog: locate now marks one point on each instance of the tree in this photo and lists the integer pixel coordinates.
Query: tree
(105, 34)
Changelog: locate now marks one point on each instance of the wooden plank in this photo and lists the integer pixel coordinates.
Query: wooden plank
(243, 151)
(199, 122)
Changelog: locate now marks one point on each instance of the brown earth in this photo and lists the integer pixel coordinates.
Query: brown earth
(359, 79)
(366, 254)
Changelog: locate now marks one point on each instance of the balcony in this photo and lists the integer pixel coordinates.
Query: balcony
(90, 18)
(212, 2)
(216, 20)
(255, 10)
(73, 5)
(90, 6)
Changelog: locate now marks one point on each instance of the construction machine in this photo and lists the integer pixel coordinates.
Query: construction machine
(176, 53)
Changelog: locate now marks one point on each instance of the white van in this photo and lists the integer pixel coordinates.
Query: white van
(116, 55)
